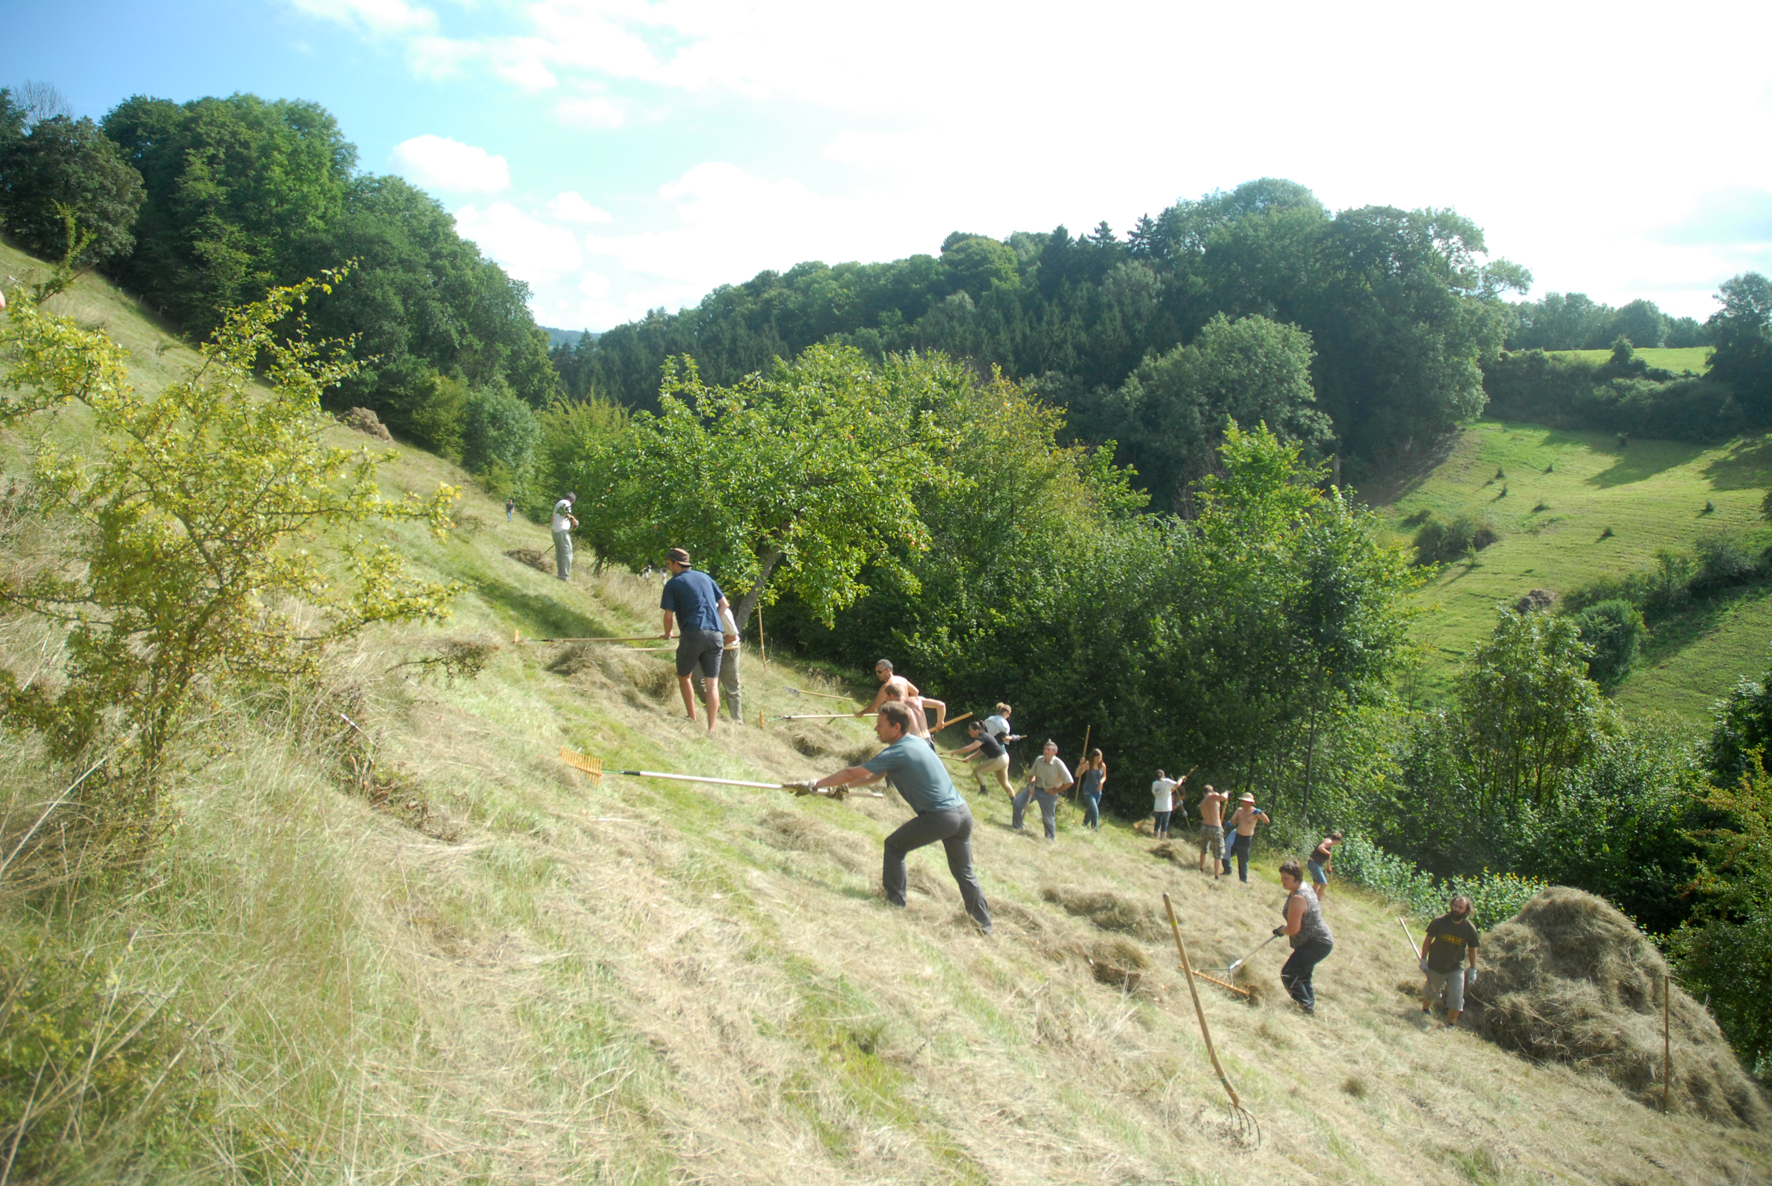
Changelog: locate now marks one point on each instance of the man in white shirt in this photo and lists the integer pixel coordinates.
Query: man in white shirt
(562, 525)
(1162, 804)
(729, 688)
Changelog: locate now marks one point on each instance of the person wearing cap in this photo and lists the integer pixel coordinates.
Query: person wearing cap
(729, 687)
(1244, 819)
(562, 525)
(692, 602)
(1449, 958)
(942, 813)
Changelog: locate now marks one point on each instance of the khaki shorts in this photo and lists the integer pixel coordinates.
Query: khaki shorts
(1212, 839)
(1451, 983)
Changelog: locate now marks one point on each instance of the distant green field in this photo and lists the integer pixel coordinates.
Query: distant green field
(1675, 359)
(1651, 494)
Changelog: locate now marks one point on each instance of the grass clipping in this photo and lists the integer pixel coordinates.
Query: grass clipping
(1569, 979)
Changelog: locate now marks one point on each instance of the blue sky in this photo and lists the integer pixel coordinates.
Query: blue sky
(620, 155)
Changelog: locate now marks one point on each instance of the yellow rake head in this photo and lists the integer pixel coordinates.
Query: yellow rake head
(584, 765)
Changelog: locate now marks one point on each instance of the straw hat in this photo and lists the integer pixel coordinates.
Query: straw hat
(1247, 799)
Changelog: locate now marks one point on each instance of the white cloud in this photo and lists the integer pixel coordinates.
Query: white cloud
(389, 17)
(977, 115)
(528, 248)
(572, 207)
(592, 111)
(442, 163)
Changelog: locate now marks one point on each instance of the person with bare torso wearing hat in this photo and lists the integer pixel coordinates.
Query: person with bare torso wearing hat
(692, 602)
(1244, 820)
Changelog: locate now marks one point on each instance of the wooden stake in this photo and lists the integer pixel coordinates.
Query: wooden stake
(762, 644)
(1076, 787)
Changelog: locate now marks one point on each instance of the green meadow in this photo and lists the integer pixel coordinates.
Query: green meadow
(1669, 358)
(1575, 506)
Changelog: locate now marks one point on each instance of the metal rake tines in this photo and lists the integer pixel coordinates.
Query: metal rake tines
(1242, 1130)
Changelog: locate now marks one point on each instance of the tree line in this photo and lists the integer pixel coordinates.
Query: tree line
(203, 206)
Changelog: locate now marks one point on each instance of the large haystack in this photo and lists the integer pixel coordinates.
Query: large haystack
(1571, 979)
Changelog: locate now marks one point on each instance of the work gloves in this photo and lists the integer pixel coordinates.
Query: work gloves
(805, 787)
(1422, 964)
(1470, 977)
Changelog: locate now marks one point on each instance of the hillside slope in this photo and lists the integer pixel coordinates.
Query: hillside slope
(494, 971)
(1554, 495)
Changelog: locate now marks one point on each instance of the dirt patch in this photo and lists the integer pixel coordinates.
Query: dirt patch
(1107, 910)
(1569, 979)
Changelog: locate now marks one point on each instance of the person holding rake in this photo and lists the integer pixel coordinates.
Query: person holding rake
(992, 758)
(942, 814)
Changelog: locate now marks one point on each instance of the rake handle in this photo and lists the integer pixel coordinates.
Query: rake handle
(1199, 1009)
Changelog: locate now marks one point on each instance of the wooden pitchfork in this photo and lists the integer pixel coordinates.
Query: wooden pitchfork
(1243, 1130)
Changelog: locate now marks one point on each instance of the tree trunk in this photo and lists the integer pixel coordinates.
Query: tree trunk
(1310, 751)
(742, 611)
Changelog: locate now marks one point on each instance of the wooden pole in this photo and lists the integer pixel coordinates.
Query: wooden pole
(1199, 1010)
(1667, 1044)
(1076, 784)
(762, 644)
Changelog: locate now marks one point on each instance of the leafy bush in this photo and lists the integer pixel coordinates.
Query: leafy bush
(1614, 629)
(1495, 897)
(1439, 542)
(1723, 561)
(499, 433)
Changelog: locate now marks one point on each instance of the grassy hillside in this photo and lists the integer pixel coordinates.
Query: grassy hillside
(489, 970)
(1670, 358)
(1559, 494)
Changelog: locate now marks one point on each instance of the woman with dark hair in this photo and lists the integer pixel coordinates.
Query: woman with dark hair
(1306, 932)
(1091, 778)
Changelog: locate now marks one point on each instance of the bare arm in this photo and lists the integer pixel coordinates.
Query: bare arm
(1294, 915)
(966, 749)
(941, 712)
(847, 777)
(669, 620)
(874, 705)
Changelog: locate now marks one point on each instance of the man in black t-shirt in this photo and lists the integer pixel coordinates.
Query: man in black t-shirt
(1449, 957)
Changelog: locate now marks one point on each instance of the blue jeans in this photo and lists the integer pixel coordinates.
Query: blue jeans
(1048, 812)
(1018, 807)
(1092, 811)
(1240, 850)
(1159, 823)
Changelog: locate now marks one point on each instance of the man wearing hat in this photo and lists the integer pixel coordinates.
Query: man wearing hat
(562, 525)
(1244, 819)
(693, 602)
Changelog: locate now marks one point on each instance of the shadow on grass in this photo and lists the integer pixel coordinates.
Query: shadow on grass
(534, 614)
(1670, 635)
(1644, 459)
(1746, 466)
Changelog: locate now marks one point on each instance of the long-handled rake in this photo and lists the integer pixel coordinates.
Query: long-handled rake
(594, 768)
(1414, 947)
(517, 638)
(1239, 963)
(793, 691)
(1243, 1129)
(816, 716)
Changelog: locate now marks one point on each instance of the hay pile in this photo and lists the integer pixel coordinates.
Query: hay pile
(1570, 979)
(1107, 910)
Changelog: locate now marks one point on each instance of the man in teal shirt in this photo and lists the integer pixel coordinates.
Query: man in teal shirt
(942, 814)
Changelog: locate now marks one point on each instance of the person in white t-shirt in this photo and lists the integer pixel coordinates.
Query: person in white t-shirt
(729, 688)
(562, 525)
(1162, 804)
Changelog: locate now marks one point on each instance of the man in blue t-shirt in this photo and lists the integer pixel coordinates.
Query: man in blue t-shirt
(942, 814)
(692, 602)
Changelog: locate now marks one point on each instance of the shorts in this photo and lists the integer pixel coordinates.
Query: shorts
(1318, 877)
(1212, 839)
(701, 648)
(1451, 983)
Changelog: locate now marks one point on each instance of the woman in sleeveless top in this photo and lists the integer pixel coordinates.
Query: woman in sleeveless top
(1090, 781)
(1308, 934)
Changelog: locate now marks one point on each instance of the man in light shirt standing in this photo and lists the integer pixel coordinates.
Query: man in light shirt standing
(1051, 778)
(562, 525)
(1162, 804)
(729, 689)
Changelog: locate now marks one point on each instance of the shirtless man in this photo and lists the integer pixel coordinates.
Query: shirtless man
(1245, 818)
(1212, 828)
(911, 696)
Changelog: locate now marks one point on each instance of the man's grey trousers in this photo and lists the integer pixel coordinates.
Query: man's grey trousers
(563, 555)
(953, 828)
